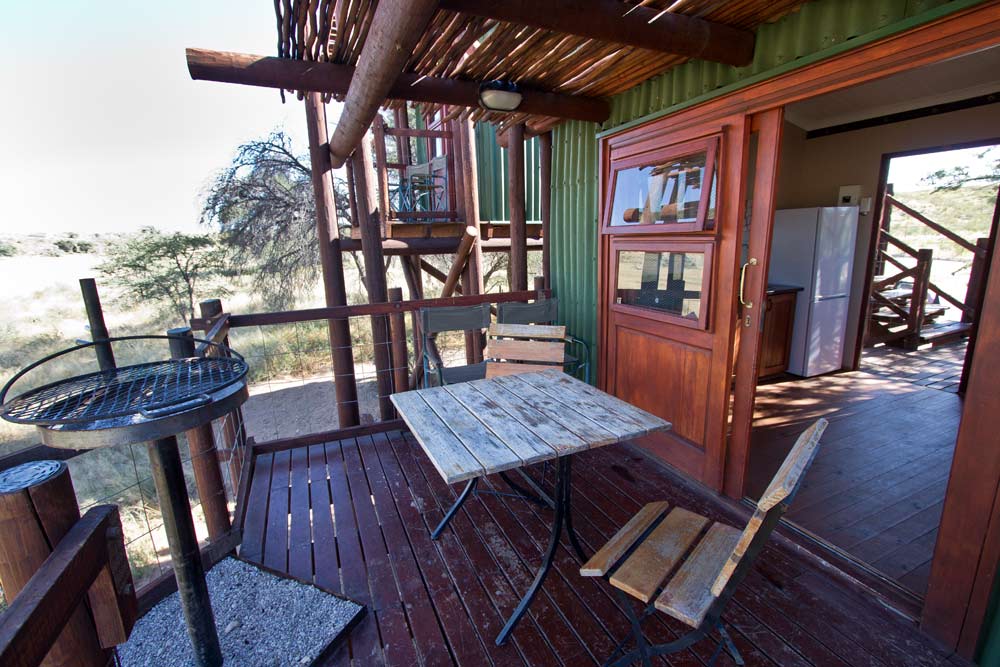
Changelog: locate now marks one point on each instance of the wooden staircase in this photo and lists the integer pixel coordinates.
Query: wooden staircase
(900, 310)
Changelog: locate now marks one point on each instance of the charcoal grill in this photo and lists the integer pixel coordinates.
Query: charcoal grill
(152, 403)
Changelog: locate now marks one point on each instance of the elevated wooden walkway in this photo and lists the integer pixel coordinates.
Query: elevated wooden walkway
(355, 515)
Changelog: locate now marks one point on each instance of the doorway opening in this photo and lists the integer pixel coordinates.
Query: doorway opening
(869, 308)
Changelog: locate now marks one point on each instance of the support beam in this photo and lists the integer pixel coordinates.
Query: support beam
(515, 194)
(437, 274)
(465, 248)
(610, 21)
(283, 73)
(436, 246)
(472, 281)
(332, 262)
(396, 27)
(545, 203)
(371, 247)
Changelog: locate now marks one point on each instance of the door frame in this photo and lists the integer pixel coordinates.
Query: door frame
(955, 607)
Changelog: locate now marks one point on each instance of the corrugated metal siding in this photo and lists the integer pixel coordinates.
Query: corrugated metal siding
(573, 240)
(816, 26)
(492, 174)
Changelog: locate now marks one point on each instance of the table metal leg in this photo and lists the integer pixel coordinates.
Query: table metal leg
(466, 492)
(569, 515)
(171, 489)
(562, 515)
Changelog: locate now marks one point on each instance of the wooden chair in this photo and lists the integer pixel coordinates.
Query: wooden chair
(546, 311)
(434, 321)
(524, 348)
(646, 559)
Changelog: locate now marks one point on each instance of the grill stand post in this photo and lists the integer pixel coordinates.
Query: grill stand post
(168, 476)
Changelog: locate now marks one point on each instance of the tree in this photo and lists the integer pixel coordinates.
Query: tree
(986, 173)
(263, 204)
(166, 269)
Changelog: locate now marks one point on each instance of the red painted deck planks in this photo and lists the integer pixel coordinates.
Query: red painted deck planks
(300, 552)
(276, 538)
(252, 547)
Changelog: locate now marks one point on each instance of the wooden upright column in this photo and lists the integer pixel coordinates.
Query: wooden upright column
(332, 262)
(204, 460)
(232, 425)
(37, 508)
(472, 282)
(515, 192)
(369, 219)
(545, 202)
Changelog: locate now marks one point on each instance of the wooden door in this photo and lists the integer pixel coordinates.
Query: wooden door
(670, 254)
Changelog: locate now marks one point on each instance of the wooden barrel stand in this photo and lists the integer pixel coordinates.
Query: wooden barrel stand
(37, 508)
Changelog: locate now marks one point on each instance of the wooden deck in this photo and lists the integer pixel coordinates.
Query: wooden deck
(877, 487)
(355, 516)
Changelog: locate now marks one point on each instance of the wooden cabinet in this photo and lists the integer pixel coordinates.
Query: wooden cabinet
(776, 339)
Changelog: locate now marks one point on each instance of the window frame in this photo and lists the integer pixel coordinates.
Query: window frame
(710, 146)
(701, 246)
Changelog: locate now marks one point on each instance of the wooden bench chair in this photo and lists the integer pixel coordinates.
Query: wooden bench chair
(546, 311)
(646, 559)
(524, 348)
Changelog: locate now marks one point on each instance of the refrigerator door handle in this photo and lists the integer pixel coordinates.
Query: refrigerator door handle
(829, 297)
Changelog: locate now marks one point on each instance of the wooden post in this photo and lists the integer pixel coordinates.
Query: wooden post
(403, 143)
(539, 285)
(332, 262)
(371, 246)
(382, 174)
(204, 460)
(457, 177)
(545, 202)
(37, 508)
(400, 355)
(98, 329)
(473, 280)
(465, 248)
(415, 285)
(232, 425)
(918, 299)
(977, 275)
(518, 222)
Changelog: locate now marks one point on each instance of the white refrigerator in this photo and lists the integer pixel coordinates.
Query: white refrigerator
(813, 248)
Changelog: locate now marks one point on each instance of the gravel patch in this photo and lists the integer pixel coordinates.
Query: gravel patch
(264, 621)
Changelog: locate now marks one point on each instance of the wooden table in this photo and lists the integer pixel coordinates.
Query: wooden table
(489, 426)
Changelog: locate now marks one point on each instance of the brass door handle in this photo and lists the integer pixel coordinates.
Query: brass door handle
(743, 279)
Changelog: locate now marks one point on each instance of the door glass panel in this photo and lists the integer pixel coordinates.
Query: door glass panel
(667, 193)
(669, 281)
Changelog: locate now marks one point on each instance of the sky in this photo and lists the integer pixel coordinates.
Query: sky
(103, 129)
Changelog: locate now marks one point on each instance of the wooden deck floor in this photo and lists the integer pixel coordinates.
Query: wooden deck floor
(877, 487)
(355, 516)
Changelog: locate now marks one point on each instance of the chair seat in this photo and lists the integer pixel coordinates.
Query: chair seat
(456, 374)
(668, 550)
(689, 594)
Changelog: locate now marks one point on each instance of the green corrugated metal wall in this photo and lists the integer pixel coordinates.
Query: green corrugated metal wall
(819, 29)
(492, 174)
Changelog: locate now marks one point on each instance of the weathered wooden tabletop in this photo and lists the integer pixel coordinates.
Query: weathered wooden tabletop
(486, 426)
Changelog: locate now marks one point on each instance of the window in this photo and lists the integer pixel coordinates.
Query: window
(667, 194)
(672, 281)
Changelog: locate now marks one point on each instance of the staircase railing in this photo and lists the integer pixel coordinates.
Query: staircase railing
(911, 309)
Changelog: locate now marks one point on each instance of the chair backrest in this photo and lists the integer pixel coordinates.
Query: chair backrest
(454, 318)
(771, 506)
(543, 311)
(524, 348)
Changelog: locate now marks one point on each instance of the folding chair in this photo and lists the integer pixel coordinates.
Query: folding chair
(646, 559)
(546, 311)
(467, 319)
(434, 321)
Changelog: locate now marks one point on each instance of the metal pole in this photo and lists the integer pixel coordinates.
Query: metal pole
(98, 329)
(168, 476)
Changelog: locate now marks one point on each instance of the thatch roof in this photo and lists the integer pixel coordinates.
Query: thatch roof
(464, 46)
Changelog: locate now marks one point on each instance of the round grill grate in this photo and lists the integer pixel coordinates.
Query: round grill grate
(152, 390)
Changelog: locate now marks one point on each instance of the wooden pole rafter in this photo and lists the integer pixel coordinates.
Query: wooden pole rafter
(612, 21)
(284, 73)
(395, 29)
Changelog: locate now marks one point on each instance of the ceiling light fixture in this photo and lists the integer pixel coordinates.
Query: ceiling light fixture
(500, 95)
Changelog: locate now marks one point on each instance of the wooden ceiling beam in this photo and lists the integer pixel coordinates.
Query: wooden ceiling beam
(284, 73)
(610, 21)
(396, 27)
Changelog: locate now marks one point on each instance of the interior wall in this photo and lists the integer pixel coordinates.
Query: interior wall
(811, 171)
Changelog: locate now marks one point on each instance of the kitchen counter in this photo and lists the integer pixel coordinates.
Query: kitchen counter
(774, 288)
